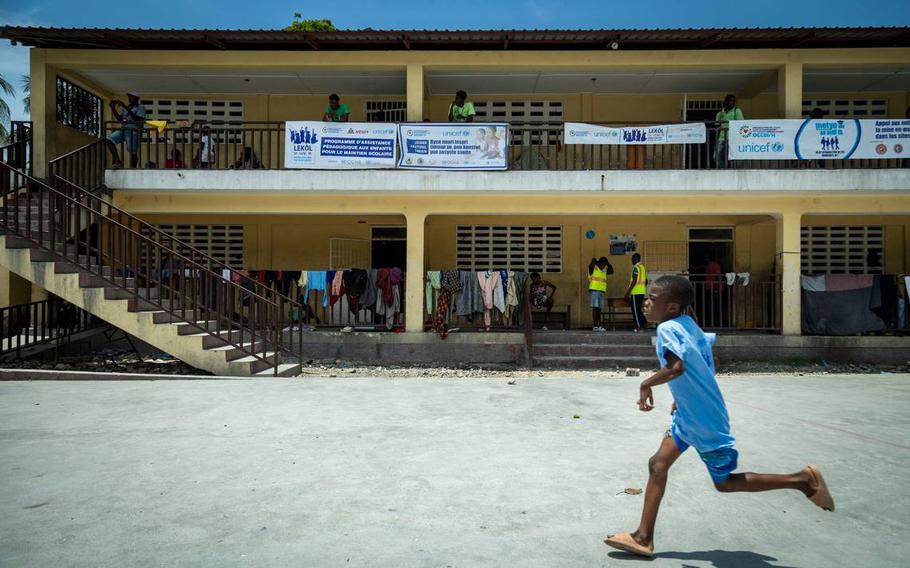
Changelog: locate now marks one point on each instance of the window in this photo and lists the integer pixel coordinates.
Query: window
(190, 110)
(842, 249)
(526, 248)
(224, 243)
(530, 122)
(665, 256)
(394, 111)
(848, 108)
(78, 108)
(348, 253)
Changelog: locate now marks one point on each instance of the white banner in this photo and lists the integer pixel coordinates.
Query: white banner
(581, 133)
(454, 146)
(823, 139)
(339, 145)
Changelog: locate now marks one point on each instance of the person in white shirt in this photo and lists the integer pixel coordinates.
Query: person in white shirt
(206, 148)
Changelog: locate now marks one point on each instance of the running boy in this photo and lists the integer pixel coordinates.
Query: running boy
(699, 416)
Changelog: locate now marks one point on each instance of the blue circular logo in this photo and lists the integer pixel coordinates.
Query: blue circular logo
(590, 234)
(777, 147)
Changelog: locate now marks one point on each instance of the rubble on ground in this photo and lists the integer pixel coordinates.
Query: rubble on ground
(111, 361)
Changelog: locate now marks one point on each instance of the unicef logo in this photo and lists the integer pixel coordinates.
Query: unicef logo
(571, 133)
(777, 147)
(745, 131)
(410, 132)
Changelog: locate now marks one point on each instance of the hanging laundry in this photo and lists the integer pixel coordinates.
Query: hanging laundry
(451, 282)
(491, 290)
(336, 290)
(355, 283)
(368, 298)
(813, 283)
(432, 287)
(470, 299)
(511, 297)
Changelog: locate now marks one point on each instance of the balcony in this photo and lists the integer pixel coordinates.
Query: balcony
(260, 146)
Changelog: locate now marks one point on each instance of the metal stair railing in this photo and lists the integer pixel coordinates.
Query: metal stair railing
(155, 269)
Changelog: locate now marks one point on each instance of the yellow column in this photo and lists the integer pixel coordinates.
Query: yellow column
(42, 107)
(414, 288)
(415, 92)
(790, 90)
(788, 257)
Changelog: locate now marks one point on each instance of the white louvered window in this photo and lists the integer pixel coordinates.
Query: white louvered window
(501, 247)
(666, 256)
(847, 108)
(195, 110)
(843, 249)
(535, 123)
(224, 243)
(385, 111)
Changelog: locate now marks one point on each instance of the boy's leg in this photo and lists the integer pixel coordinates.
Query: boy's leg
(658, 466)
(753, 482)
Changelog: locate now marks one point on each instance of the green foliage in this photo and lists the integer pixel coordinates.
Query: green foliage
(301, 25)
(7, 88)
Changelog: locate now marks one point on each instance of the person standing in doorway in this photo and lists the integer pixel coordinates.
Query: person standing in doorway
(723, 118)
(638, 288)
(461, 110)
(335, 111)
(598, 270)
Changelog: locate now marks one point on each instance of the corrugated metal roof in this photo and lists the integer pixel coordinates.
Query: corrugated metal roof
(368, 39)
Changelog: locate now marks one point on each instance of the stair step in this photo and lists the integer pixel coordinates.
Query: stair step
(574, 362)
(591, 337)
(284, 370)
(587, 350)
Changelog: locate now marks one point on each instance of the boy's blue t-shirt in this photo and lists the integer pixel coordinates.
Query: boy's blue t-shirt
(701, 418)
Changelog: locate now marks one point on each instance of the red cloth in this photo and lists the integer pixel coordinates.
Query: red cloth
(384, 283)
(841, 282)
(174, 164)
(713, 278)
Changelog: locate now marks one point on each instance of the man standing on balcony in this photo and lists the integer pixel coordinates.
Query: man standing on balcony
(723, 118)
(335, 111)
(132, 119)
(461, 110)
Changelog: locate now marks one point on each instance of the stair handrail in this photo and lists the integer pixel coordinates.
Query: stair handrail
(263, 324)
(83, 167)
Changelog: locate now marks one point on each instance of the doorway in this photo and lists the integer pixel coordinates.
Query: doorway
(710, 257)
(389, 246)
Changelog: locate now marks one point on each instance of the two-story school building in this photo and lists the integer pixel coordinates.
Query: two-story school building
(210, 191)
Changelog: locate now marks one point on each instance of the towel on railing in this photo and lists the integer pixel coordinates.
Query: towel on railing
(159, 125)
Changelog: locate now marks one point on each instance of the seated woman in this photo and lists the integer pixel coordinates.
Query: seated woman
(248, 161)
(542, 292)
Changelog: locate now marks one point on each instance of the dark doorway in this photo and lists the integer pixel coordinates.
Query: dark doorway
(710, 258)
(390, 247)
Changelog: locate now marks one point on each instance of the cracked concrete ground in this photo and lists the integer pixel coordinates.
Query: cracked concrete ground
(436, 472)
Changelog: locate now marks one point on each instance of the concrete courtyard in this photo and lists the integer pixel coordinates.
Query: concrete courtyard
(319, 472)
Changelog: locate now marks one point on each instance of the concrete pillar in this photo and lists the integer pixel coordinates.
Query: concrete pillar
(42, 105)
(414, 288)
(415, 92)
(790, 90)
(788, 257)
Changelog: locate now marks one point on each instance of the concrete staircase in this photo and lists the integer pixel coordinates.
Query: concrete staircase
(589, 350)
(208, 345)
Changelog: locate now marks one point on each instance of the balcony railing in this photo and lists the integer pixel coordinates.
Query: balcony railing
(260, 145)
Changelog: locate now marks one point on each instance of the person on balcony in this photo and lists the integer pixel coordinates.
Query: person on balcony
(206, 157)
(132, 119)
(723, 118)
(461, 110)
(175, 162)
(335, 111)
(248, 161)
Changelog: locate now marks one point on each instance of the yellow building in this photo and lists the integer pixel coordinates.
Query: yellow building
(773, 219)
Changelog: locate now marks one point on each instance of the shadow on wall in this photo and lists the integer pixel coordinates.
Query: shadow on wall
(717, 558)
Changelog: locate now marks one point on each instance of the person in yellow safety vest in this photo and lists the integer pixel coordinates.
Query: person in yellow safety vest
(638, 289)
(598, 270)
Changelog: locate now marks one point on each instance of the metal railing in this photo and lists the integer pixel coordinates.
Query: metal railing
(156, 271)
(755, 306)
(83, 167)
(209, 145)
(28, 325)
(260, 145)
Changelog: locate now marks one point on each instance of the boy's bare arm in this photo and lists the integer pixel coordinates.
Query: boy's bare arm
(673, 369)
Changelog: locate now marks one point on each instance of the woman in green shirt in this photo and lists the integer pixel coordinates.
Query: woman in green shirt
(723, 118)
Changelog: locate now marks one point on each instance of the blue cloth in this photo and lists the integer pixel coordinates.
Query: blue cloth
(315, 280)
(504, 280)
(701, 419)
(327, 287)
(597, 300)
(720, 463)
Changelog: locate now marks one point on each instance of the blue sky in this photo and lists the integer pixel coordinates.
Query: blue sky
(464, 14)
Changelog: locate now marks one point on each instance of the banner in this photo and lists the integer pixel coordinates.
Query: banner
(689, 133)
(339, 145)
(823, 139)
(454, 146)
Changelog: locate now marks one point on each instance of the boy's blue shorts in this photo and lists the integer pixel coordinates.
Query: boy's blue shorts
(720, 463)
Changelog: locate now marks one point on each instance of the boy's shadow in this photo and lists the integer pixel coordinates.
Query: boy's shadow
(717, 558)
